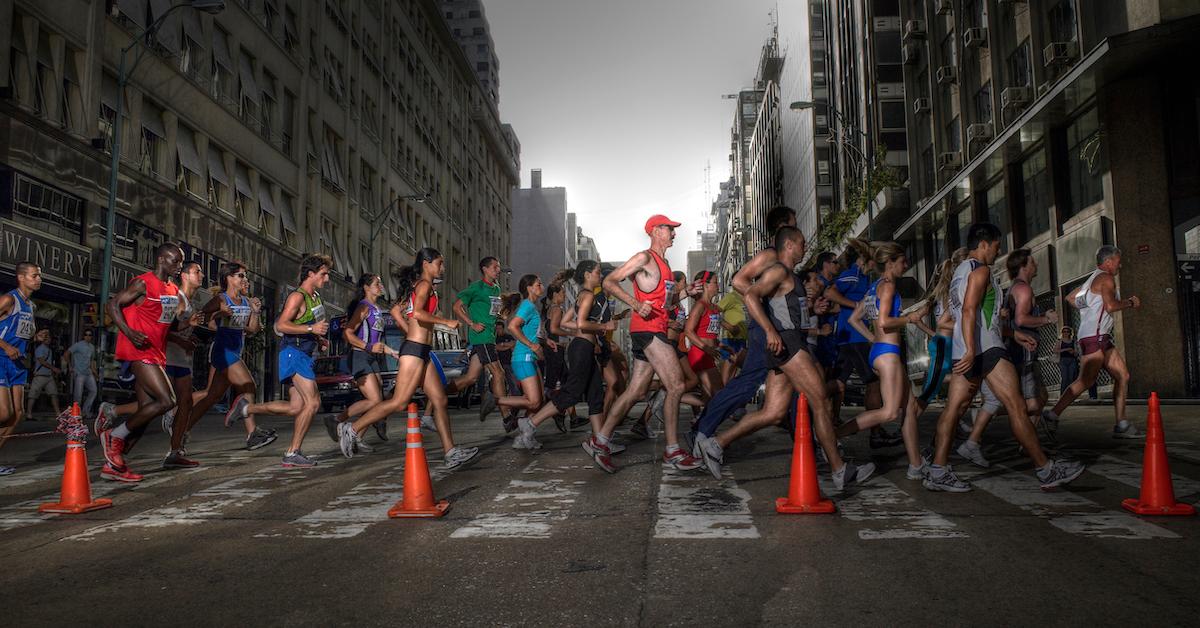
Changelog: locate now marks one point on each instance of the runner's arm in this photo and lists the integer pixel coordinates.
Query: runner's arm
(6, 305)
(745, 276)
(1023, 298)
(557, 324)
(419, 299)
(856, 320)
(134, 291)
(766, 285)
(1108, 292)
(255, 324)
(514, 328)
(612, 283)
(291, 309)
(693, 321)
(349, 332)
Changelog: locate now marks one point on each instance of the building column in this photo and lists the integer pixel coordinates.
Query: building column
(1132, 114)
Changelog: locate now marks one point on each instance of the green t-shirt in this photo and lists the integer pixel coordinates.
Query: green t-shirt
(734, 313)
(482, 302)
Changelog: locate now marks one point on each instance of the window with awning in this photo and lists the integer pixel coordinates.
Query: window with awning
(191, 167)
(218, 178)
(167, 34)
(134, 11)
(270, 216)
(288, 216)
(245, 194)
(154, 137)
(246, 73)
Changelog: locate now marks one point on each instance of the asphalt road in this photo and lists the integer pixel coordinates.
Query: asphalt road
(546, 539)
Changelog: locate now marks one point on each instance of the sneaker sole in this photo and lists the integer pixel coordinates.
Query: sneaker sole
(294, 465)
(269, 440)
(1066, 480)
(229, 413)
(943, 489)
(179, 466)
(1127, 437)
(117, 478)
(474, 457)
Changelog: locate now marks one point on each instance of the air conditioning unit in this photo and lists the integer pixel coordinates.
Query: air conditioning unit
(949, 161)
(891, 90)
(910, 54)
(943, 7)
(914, 29)
(886, 23)
(975, 38)
(1060, 53)
(1010, 2)
(1016, 97)
(920, 105)
(979, 132)
(947, 74)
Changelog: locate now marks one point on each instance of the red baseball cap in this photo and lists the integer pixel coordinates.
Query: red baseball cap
(658, 220)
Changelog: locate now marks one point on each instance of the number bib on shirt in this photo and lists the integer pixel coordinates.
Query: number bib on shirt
(25, 326)
(495, 309)
(668, 294)
(714, 323)
(170, 307)
(239, 316)
(318, 312)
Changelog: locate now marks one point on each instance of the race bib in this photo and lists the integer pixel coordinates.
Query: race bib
(318, 312)
(378, 324)
(25, 326)
(170, 308)
(495, 309)
(668, 294)
(240, 316)
(714, 323)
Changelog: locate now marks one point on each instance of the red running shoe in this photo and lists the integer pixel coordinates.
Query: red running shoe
(114, 449)
(177, 460)
(682, 460)
(121, 474)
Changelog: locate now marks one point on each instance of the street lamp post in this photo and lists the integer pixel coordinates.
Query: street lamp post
(208, 6)
(379, 219)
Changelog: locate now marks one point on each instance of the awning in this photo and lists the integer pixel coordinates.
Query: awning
(152, 119)
(221, 49)
(249, 86)
(192, 28)
(289, 25)
(265, 203)
(135, 10)
(168, 32)
(108, 92)
(216, 166)
(185, 146)
(268, 88)
(341, 264)
(242, 181)
(286, 213)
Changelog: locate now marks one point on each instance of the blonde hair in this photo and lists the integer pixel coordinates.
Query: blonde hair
(884, 252)
(939, 285)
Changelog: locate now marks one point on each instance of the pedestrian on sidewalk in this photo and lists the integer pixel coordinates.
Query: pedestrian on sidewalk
(45, 373)
(81, 359)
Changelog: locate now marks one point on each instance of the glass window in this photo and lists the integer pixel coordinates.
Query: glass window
(1037, 194)
(892, 114)
(983, 103)
(47, 209)
(1085, 164)
(1061, 21)
(997, 214)
(887, 47)
(954, 135)
(1019, 74)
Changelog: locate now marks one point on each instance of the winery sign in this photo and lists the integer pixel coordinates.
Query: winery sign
(62, 262)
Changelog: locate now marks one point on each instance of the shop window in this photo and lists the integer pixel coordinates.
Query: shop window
(1086, 164)
(222, 87)
(1037, 194)
(154, 143)
(998, 214)
(47, 209)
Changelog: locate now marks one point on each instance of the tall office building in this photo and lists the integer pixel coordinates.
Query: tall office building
(469, 25)
(539, 231)
(275, 128)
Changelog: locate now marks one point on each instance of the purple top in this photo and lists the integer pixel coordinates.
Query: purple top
(371, 329)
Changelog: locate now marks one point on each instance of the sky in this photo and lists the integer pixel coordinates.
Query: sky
(619, 101)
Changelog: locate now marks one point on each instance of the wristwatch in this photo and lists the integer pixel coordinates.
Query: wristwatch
(310, 329)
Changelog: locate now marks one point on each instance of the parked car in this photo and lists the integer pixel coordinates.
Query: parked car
(334, 383)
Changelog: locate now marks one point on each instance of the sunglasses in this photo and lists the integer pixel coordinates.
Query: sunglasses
(240, 275)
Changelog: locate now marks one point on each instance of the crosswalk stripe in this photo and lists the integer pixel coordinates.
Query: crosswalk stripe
(1130, 474)
(539, 500)
(690, 506)
(30, 476)
(893, 513)
(1064, 510)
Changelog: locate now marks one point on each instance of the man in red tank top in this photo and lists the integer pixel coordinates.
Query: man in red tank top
(653, 297)
(144, 312)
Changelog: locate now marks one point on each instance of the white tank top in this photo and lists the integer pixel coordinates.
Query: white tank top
(987, 323)
(1093, 319)
(175, 354)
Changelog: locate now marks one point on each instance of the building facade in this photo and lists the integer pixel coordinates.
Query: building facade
(539, 231)
(469, 24)
(275, 128)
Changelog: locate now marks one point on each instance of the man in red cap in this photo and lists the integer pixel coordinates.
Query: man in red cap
(653, 295)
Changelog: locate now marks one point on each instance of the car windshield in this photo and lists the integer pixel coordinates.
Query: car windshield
(327, 366)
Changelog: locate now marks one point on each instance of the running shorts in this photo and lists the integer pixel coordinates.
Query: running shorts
(11, 373)
(794, 341)
(699, 360)
(421, 350)
(363, 363)
(487, 353)
(1102, 342)
(525, 366)
(293, 361)
(638, 341)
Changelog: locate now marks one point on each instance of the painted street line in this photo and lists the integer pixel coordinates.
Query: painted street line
(892, 513)
(1130, 474)
(691, 506)
(538, 504)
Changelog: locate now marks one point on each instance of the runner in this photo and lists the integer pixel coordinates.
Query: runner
(1026, 316)
(553, 304)
(477, 307)
(702, 330)
(653, 291)
(144, 312)
(303, 324)
(180, 348)
(363, 332)
(979, 353)
(584, 378)
(733, 333)
(677, 321)
(17, 327)
(418, 304)
(525, 325)
(1097, 299)
(742, 389)
(231, 315)
(828, 268)
(779, 304)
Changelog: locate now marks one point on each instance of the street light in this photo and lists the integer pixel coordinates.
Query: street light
(211, 7)
(377, 224)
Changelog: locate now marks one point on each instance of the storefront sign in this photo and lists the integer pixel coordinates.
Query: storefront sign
(61, 262)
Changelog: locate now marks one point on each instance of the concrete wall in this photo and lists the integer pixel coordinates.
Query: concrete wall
(539, 233)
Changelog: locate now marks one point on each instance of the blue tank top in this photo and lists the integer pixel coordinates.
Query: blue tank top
(231, 331)
(874, 307)
(18, 327)
(371, 328)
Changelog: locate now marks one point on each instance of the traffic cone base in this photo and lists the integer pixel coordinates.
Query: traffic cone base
(804, 496)
(821, 507)
(1157, 494)
(418, 498)
(76, 495)
(1136, 506)
(75, 509)
(439, 509)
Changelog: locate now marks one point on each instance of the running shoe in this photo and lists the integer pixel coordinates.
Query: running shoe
(1130, 432)
(260, 438)
(427, 423)
(119, 474)
(944, 479)
(487, 403)
(331, 424)
(851, 474)
(525, 429)
(560, 421)
(690, 442)
(168, 421)
(104, 417)
(1050, 420)
(972, 453)
(604, 462)
(459, 456)
(114, 449)
(237, 409)
(916, 473)
(298, 460)
(176, 460)
(681, 459)
(640, 430)
(594, 447)
(519, 441)
(510, 423)
(578, 421)
(711, 453)
(361, 446)
(1059, 472)
(346, 438)
(614, 446)
(884, 438)
(381, 428)
(966, 423)
(7, 470)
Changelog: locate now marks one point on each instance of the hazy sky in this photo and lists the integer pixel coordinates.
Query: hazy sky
(619, 101)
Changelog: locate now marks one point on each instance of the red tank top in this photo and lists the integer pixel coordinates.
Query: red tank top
(709, 325)
(431, 304)
(661, 298)
(153, 317)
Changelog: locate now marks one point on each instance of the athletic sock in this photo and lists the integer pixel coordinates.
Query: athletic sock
(936, 470)
(1123, 425)
(121, 431)
(602, 439)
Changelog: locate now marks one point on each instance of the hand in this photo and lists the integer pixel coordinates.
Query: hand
(323, 344)
(537, 350)
(712, 352)
(196, 320)
(645, 309)
(475, 327)
(553, 345)
(695, 288)
(13, 353)
(821, 306)
(1004, 313)
(454, 325)
(1134, 302)
(320, 328)
(676, 325)
(623, 314)
(965, 363)
(774, 342)
(390, 351)
(225, 309)
(138, 339)
(1025, 340)
(826, 330)
(255, 305)
(377, 347)
(1051, 317)
(611, 325)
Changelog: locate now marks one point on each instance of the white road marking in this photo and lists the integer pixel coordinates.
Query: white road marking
(37, 474)
(1130, 474)
(893, 513)
(693, 506)
(538, 504)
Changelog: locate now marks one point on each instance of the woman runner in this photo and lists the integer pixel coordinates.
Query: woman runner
(525, 327)
(703, 331)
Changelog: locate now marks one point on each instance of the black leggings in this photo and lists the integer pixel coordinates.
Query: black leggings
(556, 367)
(584, 379)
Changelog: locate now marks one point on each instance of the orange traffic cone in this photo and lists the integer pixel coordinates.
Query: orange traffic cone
(76, 486)
(418, 490)
(1158, 494)
(804, 496)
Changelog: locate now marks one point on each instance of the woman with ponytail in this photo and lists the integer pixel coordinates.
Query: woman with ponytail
(417, 308)
(363, 331)
(525, 326)
(703, 331)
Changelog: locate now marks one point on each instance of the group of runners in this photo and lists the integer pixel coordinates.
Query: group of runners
(779, 329)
